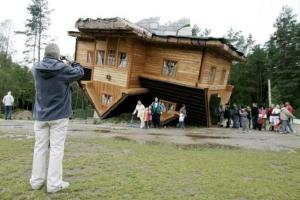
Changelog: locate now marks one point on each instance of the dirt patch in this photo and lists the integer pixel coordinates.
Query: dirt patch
(153, 142)
(196, 137)
(205, 145)
(123, 138)
(22, 115)
(102, 131)
(206, 136)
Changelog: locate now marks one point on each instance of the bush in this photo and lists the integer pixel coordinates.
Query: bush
(83, 113)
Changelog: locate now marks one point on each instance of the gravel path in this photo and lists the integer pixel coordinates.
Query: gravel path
(189, 137)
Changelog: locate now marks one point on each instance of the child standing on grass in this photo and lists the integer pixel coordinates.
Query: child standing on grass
(147, 117)
(181, 120)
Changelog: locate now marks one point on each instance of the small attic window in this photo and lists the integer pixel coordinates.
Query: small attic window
(169, 68)
(90, 57)
(111, 57)
(106, 99)
(212, 74)
(223, 75)
(122, 60)
(100, 57)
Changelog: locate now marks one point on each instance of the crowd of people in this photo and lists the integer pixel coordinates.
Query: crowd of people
(275, 118)
(150, 116)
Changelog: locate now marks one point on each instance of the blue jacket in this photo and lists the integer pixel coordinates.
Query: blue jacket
(52, 86)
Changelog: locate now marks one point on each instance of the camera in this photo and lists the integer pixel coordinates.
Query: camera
(64, 58)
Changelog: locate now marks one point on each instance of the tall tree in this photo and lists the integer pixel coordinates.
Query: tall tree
(196, 31)
(238, 40)
(250, 78)
(284, 56)
(6, 37)
(18, 80)
(36, 26)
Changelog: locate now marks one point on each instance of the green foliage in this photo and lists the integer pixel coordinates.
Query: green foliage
(278, 61)
(36, 26)
(18, 80)
(250, 79)
(284, 56)
(236, 38)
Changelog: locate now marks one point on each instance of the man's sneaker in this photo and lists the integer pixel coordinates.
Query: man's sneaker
(37, 187)
(63, 186)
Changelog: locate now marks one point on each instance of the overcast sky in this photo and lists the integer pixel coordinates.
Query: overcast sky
(250, 16)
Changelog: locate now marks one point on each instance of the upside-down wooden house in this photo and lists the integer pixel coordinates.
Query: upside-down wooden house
(125, 62)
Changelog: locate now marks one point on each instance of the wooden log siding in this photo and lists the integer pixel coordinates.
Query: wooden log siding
(117, 76)
(111, 75)
(221, 64)
(138, 62)
(187, 67)
(83, 47)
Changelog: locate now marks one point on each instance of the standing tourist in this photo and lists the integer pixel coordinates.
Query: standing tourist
(244, 120)
(156, 112)
(51, 112)
(291, 110)
(183, 110)
(221, 115)
(274, 118)
(236, 117)
(227, 116)
(262, 118)
(146, 117)
(181, 120)
(8, 101)
(269, 113)
(248, 110)
(140, 109)
(285, 115)
(254, 112)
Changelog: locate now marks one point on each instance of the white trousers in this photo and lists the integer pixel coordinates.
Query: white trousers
(49, 135)
(142, 125)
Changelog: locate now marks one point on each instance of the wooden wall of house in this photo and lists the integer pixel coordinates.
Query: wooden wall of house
(112, 74)
(221, 65)
(83, 47)
(138, 62)
(106, 88)
(188, 64)
(218, 85)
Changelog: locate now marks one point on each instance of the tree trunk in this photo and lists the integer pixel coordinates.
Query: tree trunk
(34, 46)
(39, 34)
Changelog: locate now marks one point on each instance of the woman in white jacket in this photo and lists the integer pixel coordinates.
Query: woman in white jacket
(140, 109)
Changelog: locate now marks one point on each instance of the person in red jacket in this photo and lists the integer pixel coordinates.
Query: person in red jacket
(290, 108)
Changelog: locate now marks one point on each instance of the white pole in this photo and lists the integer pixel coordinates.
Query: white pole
(269, 92)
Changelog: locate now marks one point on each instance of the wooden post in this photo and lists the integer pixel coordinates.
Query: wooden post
(269, 92)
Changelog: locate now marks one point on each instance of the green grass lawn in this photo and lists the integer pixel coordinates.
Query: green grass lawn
(114, 169)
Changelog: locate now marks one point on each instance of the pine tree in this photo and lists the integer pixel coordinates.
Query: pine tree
(284, 56)
(6, 37)
(36, 27)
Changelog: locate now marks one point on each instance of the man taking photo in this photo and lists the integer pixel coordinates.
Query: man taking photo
(52, 110)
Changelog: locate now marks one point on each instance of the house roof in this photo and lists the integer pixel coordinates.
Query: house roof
(90, 28)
